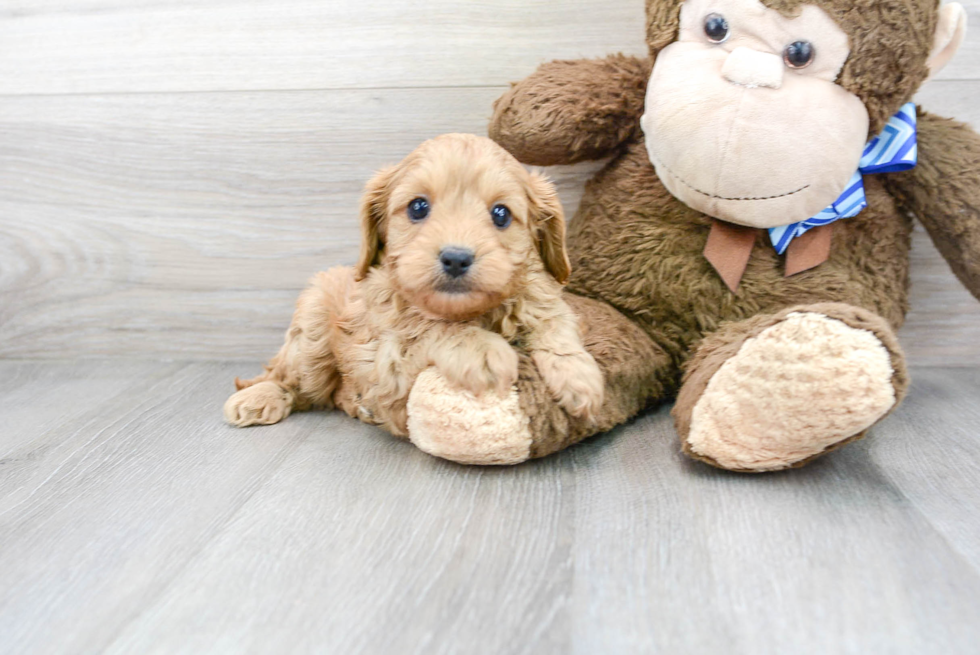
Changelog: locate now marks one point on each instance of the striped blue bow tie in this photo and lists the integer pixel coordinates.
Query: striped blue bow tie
(892, 150)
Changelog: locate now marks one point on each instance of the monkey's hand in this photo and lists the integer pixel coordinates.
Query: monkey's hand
(943, 192)
(571, 111)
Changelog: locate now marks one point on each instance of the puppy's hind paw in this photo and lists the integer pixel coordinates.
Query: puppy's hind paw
(264, 403)
(574, 380)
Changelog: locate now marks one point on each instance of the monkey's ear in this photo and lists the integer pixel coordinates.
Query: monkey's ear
(950, 31)
(374, 219)
(548, 223)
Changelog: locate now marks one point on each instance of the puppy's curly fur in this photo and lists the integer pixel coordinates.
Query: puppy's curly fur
(360, 336)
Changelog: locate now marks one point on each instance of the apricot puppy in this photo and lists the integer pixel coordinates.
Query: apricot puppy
(462, 260)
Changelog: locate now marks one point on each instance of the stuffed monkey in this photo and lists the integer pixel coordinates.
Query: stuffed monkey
(746, 249)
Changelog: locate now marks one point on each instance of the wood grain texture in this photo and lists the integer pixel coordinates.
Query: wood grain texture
(137, 522)
(182, 225)
(938, 423)
(104, 498)
(119, 46)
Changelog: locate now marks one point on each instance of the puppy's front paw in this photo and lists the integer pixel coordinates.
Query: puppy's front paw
(501, 363)
(489, 363)
(574, 380)
(264, 403)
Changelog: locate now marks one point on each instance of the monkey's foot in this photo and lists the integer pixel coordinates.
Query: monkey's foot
(456, 425)
(776, 391)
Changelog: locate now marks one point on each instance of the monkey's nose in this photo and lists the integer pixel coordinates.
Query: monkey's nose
(751, 68)
(456, 262)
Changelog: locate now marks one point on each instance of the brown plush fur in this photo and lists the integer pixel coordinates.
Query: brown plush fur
(588, 125)
(637, 248)
(636, 371)
(943, 192)
(649, 264)
(360, 337)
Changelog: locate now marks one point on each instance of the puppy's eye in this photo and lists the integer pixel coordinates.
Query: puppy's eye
(501, 216)
(799, 54)
(418, 209)
(716, 28)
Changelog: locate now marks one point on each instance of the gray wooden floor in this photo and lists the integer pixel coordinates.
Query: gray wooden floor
(132, 520)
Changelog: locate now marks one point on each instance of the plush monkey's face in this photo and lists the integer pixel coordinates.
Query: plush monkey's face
(744, 119)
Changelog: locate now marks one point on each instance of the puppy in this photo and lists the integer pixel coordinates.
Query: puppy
(462, 260)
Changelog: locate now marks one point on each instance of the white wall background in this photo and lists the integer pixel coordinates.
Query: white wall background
(172, 171)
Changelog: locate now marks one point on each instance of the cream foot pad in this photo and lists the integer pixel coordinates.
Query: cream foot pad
(796, 389)
(458, 426)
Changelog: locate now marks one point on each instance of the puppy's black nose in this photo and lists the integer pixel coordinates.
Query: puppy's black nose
(456, 261)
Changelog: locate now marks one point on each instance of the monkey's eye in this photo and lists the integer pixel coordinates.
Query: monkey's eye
(418, 209)
(501, 216)
(716, 28)
(799, 54)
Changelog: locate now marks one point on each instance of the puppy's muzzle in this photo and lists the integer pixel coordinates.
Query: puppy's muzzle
(456, 262)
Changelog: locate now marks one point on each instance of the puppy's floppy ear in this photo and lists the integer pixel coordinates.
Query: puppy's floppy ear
(374, 219)
(548, 223)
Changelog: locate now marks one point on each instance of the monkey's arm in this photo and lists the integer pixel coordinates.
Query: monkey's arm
(943, 192)
(571, 111)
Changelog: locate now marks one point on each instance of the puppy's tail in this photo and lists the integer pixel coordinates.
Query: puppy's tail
(327, 298)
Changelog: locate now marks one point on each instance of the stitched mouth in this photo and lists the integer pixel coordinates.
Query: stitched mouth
(717, 197)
